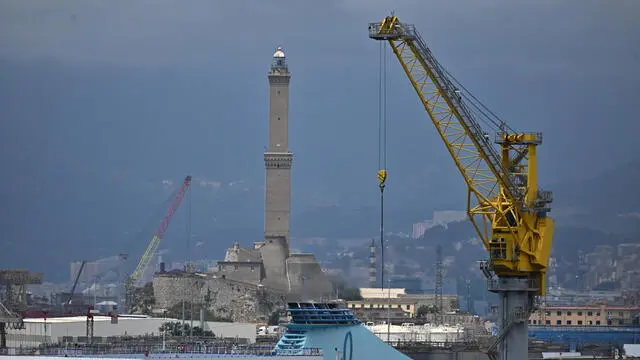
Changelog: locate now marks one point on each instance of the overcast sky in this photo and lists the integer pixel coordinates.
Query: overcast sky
(567, 68)
(149, 90)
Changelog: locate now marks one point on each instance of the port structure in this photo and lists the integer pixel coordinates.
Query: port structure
(504, 203)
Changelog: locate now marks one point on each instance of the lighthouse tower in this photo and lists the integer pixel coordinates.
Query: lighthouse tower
(277, 163)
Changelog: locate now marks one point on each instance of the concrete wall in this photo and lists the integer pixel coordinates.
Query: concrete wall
(35, 333)
(242, 271)
(235, 300)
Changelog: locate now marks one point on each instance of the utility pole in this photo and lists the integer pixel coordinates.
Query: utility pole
(469, 297)
(389, 311)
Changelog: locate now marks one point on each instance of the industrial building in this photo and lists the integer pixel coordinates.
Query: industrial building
(595, 315)
(376, 301)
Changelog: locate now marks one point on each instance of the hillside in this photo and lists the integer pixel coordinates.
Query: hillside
(608, 202)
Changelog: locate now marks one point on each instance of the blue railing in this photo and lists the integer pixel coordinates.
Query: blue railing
(320, 314)
(586, 334)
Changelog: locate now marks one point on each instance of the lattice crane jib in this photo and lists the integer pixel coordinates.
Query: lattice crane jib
(151, 249)
(505, 205)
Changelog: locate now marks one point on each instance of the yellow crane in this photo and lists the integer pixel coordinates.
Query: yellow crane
(505, 204)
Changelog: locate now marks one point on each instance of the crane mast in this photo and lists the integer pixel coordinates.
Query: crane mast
(504, 202)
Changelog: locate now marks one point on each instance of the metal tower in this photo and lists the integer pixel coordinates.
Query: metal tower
(372, 264)
(438, 287)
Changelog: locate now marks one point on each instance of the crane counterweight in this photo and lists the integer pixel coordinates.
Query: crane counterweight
(505, 204)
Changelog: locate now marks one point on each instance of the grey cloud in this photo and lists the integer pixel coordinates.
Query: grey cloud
(201, 32)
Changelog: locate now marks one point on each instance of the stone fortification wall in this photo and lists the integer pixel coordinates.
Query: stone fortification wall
(306, 278)
(274, 252)
(249, 272)
(238, 301)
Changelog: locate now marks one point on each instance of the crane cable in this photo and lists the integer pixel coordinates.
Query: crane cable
(382, 145)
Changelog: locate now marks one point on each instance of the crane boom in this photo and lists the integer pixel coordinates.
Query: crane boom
(504, 203)
(474, 155)
(159, 234)
(75, 282)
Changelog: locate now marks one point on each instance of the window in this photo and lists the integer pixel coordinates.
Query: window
(590, 313)
(408, 307)
(579, 322)
(568, 322)
(597, 313)
(568, 313)
(558, 322)
(590, 322)
(399, 306)
(559, 313)
(370, 306)
(535, 322)
(253, 267)
(597, 322)
(579, 313)
(547, 322)
(620, 314)
(620, 322)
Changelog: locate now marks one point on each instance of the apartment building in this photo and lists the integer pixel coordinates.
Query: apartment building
(596, 315)
(398, 306)
(396, 300)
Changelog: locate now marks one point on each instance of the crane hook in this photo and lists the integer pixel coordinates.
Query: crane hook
(382, 178)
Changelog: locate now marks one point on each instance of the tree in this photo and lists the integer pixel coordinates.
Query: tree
(426, 309)
(175, 328)
(143, 299)
(274, 318)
